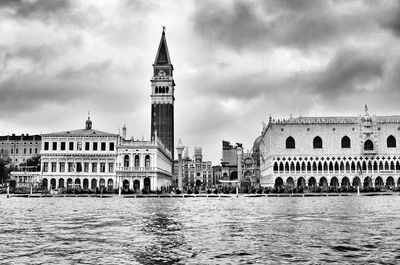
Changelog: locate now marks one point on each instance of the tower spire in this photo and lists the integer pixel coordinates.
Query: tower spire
(162, 56)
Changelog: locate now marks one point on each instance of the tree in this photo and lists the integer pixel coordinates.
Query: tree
(4, 168)
(34, 161)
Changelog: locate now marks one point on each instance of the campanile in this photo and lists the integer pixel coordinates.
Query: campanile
(162, 97)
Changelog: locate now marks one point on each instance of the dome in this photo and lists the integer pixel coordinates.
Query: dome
(257, 142)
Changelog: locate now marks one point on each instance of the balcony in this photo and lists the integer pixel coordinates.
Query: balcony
(141, 170)
(136, 169)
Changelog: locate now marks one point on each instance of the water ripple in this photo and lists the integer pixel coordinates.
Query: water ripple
(338, 230)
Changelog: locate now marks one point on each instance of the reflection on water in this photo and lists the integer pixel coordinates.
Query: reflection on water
(346, 230)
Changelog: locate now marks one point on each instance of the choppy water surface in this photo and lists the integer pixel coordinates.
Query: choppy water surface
(345, 230)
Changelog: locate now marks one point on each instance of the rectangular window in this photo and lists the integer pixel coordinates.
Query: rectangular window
(79, 146)
(71, 146)
(111, 167)
(63, 146)
(54, 146)
(78, 167)
(45, 167)
(30, 150)
(94, 167)
(70, 167)
(86, 167)
(35, 150)
(46, 146)
(24, 151)
(95, 146)
(12, 151)
(103, 146)
(112, 146)
(102, 167)
(87, 146)
(53, 166)
(62, 167)
(16, 150)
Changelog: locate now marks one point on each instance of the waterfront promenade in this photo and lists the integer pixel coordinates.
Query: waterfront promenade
(280, 195)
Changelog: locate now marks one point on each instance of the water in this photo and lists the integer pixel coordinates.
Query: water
(345, 230)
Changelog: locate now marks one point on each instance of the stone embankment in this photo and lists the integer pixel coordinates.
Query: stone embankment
(201, 195)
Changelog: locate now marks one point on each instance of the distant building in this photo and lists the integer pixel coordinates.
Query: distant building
(195, 171)
(19, 147)
(250, 166)
(229, 161)
(217, 174)
(251, 172)
(331, 151)
(83, 159)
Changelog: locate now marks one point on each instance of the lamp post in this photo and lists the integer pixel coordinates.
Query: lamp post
(239, 152)
(180, 148)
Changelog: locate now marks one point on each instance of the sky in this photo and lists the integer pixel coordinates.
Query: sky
(236, 63)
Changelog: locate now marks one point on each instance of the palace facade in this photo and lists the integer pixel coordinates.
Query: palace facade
(331, 151)
(79, 159)
(143, 164)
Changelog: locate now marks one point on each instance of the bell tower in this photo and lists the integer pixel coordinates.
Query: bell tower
(162, 97)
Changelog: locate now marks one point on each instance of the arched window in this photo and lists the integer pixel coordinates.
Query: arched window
(136, 160)
(290, 143)
(317, 142)
(391, 142)
(156, 89)
(126, 161)
(345, 142)
(167, 89)
(368, 145)
(275, 167)
(147, 161)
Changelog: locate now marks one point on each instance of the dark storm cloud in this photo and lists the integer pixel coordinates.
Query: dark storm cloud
(391, 20)
(236, 28)
(22, 93)
(298, 24)
(40, 9)
(245, 25)
(348, 72)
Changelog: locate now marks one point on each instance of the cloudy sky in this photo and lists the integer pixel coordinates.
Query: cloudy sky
(235, 63)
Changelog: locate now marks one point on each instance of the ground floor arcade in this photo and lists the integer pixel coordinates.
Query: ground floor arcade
(105, 183)
(337, 181)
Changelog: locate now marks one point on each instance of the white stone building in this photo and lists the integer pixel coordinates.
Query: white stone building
(331, 151)
(79, 159)
(143, 164)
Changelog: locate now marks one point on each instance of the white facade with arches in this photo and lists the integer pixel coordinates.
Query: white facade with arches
(92, 160)
(143, 165)
(79, 159)
(331, 151)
